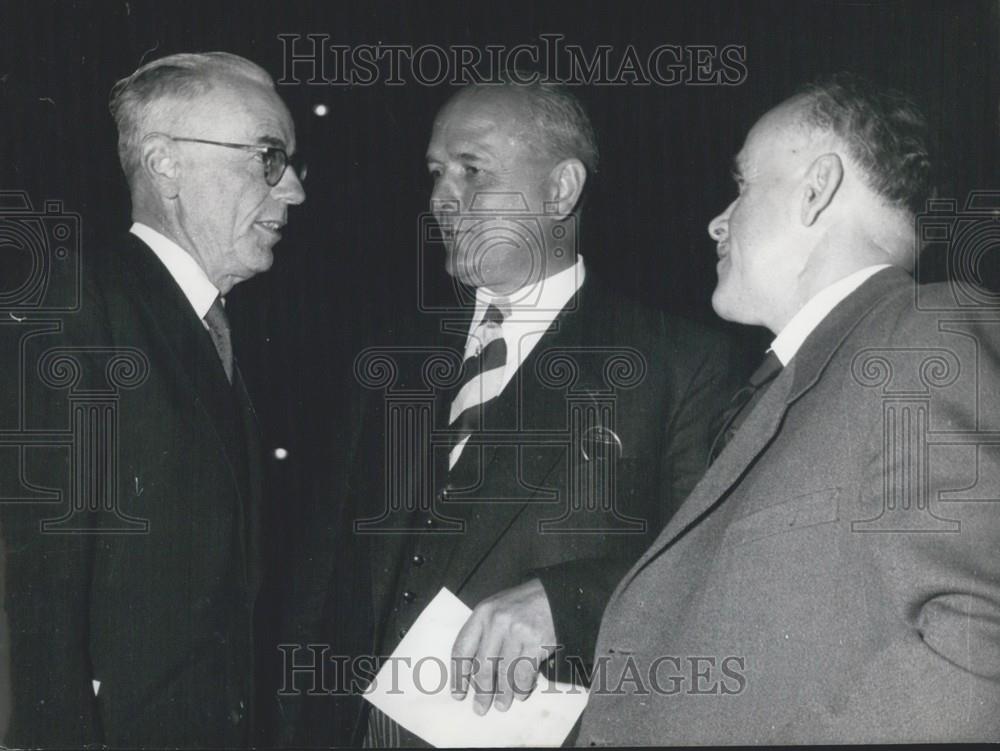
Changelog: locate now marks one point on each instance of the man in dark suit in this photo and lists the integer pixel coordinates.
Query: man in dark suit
(565, 425)
(833, 577)
(132, 595)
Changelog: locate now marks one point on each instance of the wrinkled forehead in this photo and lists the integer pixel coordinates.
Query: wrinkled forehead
(486, 112)
(241, 108)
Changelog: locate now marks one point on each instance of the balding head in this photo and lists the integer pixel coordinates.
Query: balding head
(512, 154)
(548, 116)
(826, 188)
(883, 132)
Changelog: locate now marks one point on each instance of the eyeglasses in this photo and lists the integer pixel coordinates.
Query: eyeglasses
(275, 159)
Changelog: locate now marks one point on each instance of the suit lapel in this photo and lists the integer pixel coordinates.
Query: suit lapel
(756, 433)
(187, 350)
(251, 525)
(513, 487)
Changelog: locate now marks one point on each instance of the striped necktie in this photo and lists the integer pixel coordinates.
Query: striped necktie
(481, 381)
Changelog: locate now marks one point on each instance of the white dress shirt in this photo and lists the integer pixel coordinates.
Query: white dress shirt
(190, 277)
(532, 310)
(803, 323)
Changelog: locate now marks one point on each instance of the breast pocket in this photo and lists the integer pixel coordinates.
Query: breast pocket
(799, 513)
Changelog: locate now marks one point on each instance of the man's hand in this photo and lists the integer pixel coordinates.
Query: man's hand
(502, 646)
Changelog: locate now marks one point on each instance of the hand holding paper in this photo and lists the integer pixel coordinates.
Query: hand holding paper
(502, 646)
(414, 689)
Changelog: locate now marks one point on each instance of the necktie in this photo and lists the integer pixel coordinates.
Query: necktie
(218, 327)
(481, 380)
(743, 402)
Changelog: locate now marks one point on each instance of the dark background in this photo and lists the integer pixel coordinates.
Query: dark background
(346, 272)
(345, 275)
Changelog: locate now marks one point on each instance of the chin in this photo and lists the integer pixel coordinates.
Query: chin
(462, 274)
(722, 307)
(261, 260)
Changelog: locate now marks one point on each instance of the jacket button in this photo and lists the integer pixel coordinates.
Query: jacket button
(417, 560)
(402, 632)
(429, 521)
(408, 596)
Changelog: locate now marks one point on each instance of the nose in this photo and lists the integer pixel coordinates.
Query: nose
(444, 197)
(718, 228)
(289, 188)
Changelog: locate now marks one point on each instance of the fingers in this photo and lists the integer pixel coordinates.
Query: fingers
(517, 674)
(463, 653)
(487, 670)
(525, 674)
(502, 646)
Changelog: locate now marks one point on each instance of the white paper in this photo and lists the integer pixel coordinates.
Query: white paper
(414, 690)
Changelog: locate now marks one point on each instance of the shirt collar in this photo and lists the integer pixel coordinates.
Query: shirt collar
(190, 277)
(788, 342)
(540, 300)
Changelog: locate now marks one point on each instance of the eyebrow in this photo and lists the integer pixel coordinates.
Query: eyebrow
(462, 156)
(271, 141)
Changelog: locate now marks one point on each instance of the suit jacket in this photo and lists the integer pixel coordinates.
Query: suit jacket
(148, 587)
(833, 577)
(611, 408)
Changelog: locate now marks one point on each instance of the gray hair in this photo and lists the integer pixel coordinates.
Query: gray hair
(557, 116)
(145, 97)
(885, 133)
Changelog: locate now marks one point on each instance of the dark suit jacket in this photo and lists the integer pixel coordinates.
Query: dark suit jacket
(834, 576)
(151, 593)
(608, 376)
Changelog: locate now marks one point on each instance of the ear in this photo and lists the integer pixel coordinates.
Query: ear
(160, 163)
(566, 182)
(821, 184)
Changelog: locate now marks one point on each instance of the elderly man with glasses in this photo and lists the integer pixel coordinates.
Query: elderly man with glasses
(137, 628)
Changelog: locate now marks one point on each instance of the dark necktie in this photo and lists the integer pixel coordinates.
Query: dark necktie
(481, 379)
(743, 402)
(218, 327)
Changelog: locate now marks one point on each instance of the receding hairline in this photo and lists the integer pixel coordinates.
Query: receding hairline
(500, 96)
(790, 128)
